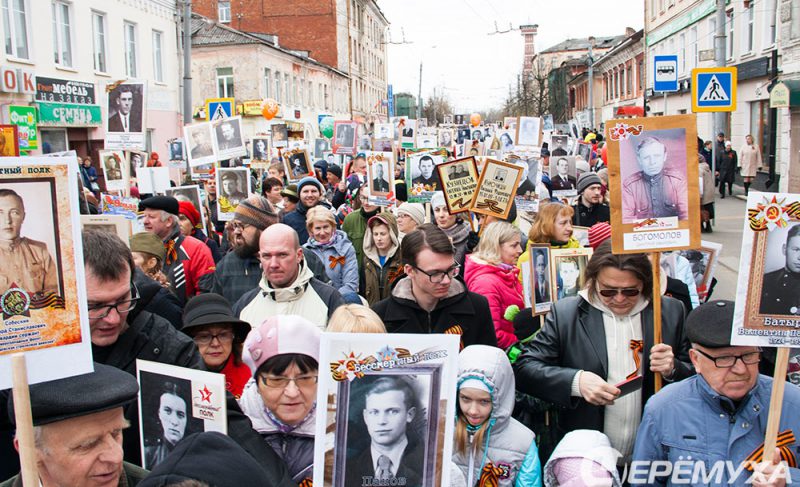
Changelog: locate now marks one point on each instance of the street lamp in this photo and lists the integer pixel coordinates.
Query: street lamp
(590, 84)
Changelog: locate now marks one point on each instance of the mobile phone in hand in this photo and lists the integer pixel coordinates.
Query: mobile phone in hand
(630, 385)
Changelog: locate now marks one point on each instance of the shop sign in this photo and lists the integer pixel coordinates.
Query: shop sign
(69, 115)
(16, 80)
(250, 108)
(64, 91)
(25, 118)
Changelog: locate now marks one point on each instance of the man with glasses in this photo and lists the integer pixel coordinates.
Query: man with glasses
(720, 413)
(430, 299)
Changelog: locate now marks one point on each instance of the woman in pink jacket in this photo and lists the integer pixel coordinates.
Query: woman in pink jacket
(492, 272)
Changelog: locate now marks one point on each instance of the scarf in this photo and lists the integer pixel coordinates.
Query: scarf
(458, 233)
(288, 428)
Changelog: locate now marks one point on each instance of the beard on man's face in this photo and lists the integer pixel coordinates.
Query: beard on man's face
(246, 249)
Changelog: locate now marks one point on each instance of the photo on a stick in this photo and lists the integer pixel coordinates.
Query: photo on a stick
(459, 181)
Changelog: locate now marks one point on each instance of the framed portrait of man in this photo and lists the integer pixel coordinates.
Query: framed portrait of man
(496, 188)
(574, 129)
(463, 134)
(228, 138)
(364, 142)
(320, 147)
(539, 276)
(459, 181)
(116, 224)
(380, 174)
(704, 264)
(584, 151)
(259, 146)
(559, 145)
(125, 122)
(200, 140)
(567, 271)
(767, 298)
(383, 131)
(345, 137)
(365, 450)
(383, 145)
(563, 176)
(653, 162)
(190, 193)
(298, 165)
(408, 133)
(233, 187)
(136, 160)
(176, 150)
(174, 403)
(529, 131)
(422, 178)
(477, 133)
(113, 163)
(427, 141)
(280, 135)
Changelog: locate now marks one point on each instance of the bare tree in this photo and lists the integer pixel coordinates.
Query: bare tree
(436, 107)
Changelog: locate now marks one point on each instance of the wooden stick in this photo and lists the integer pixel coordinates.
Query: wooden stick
(427, 212)
(24, 419)
(656, 263)
(776, 402)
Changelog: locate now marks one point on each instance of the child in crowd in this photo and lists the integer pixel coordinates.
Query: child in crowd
(335, 250)
(382, 260)
(355, 318)
(148, 255)
(491, 447)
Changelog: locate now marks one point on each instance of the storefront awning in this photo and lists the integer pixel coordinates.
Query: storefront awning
(630, 111)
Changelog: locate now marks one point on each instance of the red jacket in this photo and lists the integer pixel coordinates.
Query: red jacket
(501, 287)
(193, 261)
(236, 376)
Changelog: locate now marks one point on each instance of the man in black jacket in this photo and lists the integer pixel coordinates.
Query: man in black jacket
(430, 299)
(590, 208)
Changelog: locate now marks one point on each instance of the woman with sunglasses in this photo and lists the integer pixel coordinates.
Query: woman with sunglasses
(593, 342)
(280, 399)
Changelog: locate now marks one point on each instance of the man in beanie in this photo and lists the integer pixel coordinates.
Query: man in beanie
(78, 429)
(240, 271)
(309, 190)
(719, 414)
(187, 259)
(590, 208)
(189, 220)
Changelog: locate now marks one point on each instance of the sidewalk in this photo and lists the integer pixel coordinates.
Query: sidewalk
(730, 217)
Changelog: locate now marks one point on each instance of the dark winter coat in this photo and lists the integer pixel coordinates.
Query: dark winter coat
(728, 164)
(157, 299)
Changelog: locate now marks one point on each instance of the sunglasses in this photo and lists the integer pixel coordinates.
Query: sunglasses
(628, 292)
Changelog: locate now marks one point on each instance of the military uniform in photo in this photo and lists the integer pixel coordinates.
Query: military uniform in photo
(27, 264)
(659, 196)
(780, 293)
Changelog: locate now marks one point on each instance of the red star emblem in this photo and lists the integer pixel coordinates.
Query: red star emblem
(205, 394)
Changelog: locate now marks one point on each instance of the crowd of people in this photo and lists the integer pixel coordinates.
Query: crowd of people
(539, 400)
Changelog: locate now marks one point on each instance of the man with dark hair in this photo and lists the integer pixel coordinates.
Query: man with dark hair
(542, 282)
(430, 299)
(780, 289)
(428, 177)
(590, 209)
(271, 190)
(390, 406)
(125, 119)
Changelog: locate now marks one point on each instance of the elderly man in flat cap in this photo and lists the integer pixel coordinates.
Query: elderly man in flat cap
(187, 259)
(78, 427)
(719, 415)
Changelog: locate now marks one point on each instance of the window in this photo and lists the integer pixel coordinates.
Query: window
(278, 96)
(640, 75)
(287, 95)
(682, 53)
(750, 16)
(267, 82)
(130, 49)
(310, 93)
(729, 24)
(295, 99)
(770, 31)
(99, 41)
(158, 65)
(300, 100)
(795, 26)
(62, 34)
(759, 126)
(224, 11)
(16, 28)
(225, 82)
(629, 78)
(693, 48)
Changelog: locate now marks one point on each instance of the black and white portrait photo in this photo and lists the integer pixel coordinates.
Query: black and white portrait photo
(529, 131)
(199, 143)
(298, 165)
(380, 176)
(446, 138)
(228, 134)
(563, 174)
(540, 261)
(458, 171)
(113, 163)
(344, 137)
(320, 147)
(779, 292)
(408, 133)
(422, 171)
(547, 123)
(187, 193)
(568, 271)
(176, 150)
(462, 135)
(232, 189)
(558, 145)
(584, 151)
(364, 143)
(574, 129)
(506, 138)
(136, 160)
(426, 141)
(383, 131)
(280, 135)
(382, 145)
(477, 134)
(260, 148)
(125, 103)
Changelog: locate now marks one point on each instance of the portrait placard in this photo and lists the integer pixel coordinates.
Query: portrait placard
(380, 172)
(459, 181)
(199, 139)
(42, 283)
(345, 136)
(547, 123)
(427, 141)
(176, 150)
(383, 145)
(297, 165)
(125, 115)
(383, 131)
(567, 271)
(559, 145)
(654, 162)
(421, 176)
(704, 264)
(581, 234)
(190, 193)
(175, 402)
(280, 135)
(116, 224)
(529, 131)
(202, 172)
(114, 171)
(584, 151)
(365, 376)
(510, 123)
(233, 187)
(563, 176)
(260, 149)
(320, 147)
(527, 197)
(408, 133)
(574, 129)
(228, 138)
(9, 140)
(496, 188)
(507, 140)
(152, 180)
(136, 159)
(445, 138)
(537, 279)
(767, 312)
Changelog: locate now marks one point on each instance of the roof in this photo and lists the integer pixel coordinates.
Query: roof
(627, 42)
(582, 44)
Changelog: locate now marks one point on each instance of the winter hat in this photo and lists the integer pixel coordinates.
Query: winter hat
(306, 181)
(148, 243)
(188, 210)
(709, 325)
(212, 309)
(437, 200)
(599, 233)
(581, 166)
(587, 179)
(257, 211)
(335, 170)
(278, 335)
(415, 210)
(290, 191)
(208, 457)
(165, 203)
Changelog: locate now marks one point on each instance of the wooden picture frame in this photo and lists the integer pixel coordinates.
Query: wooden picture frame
(540, 302)
(574, 276)
(459, 187)
(529, 131)
(294, 162)
(496, 188)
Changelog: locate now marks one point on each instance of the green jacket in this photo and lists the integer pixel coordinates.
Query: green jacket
(355, 226)
(132, 475)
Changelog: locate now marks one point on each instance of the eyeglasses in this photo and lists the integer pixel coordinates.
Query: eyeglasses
(728, 361)
(204, 338)
(282, 382)
(240, 226)
(627, 292)
(97, 312)
(437, 277)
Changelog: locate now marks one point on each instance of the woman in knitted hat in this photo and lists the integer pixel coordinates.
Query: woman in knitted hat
(409, 217)
(280, 399)
(334, 250)
(189, 222)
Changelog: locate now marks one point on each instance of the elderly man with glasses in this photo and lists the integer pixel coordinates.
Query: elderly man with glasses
(430, 299)
(719, 415)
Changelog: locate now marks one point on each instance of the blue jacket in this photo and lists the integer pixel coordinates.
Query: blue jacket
(344, 277)
(686, 419)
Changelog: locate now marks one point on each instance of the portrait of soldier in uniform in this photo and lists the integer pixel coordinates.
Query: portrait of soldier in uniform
(27, 263)
(379, 182)
(780, 289)
(427, 174)
(655, 190)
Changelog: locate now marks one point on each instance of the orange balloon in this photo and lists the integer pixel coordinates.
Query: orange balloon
(475, 119)
(269, 109)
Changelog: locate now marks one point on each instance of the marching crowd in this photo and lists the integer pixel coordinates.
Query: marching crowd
(539, 401)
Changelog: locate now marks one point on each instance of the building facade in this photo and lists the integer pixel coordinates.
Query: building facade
(347, 35)
(72, 50)
(788, 115)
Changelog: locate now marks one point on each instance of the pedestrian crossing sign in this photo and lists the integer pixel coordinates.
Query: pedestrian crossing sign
(714, 89)
(217, 108)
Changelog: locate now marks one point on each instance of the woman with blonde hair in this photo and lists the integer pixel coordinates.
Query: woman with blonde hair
(334, 250)
(492, 272)
(553, 225)
(355, 318)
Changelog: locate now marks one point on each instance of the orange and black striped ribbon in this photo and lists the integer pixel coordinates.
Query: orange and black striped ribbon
(172, 253)
(336, 260)
(785, 438)
(636, 347)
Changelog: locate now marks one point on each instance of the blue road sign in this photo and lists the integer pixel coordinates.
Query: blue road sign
(390, 100)
(665, 73)
(714, 89)
(217, 108)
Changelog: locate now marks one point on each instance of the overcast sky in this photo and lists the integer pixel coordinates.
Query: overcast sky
(474, 69)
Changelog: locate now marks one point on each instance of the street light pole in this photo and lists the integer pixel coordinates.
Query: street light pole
(187, 62)
(719, 60)
(590, 84)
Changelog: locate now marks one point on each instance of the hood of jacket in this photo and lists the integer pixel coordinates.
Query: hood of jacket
(292, 292)
(253, 406)
(490, 366)
(338, 243)
(476, 268)
(598, 304)
(402, 290)
(210, 457)
(369, 245)
(583, 446)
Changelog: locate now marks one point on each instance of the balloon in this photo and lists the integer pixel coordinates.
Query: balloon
(269, 109)
(326, 127)
(475, 119)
